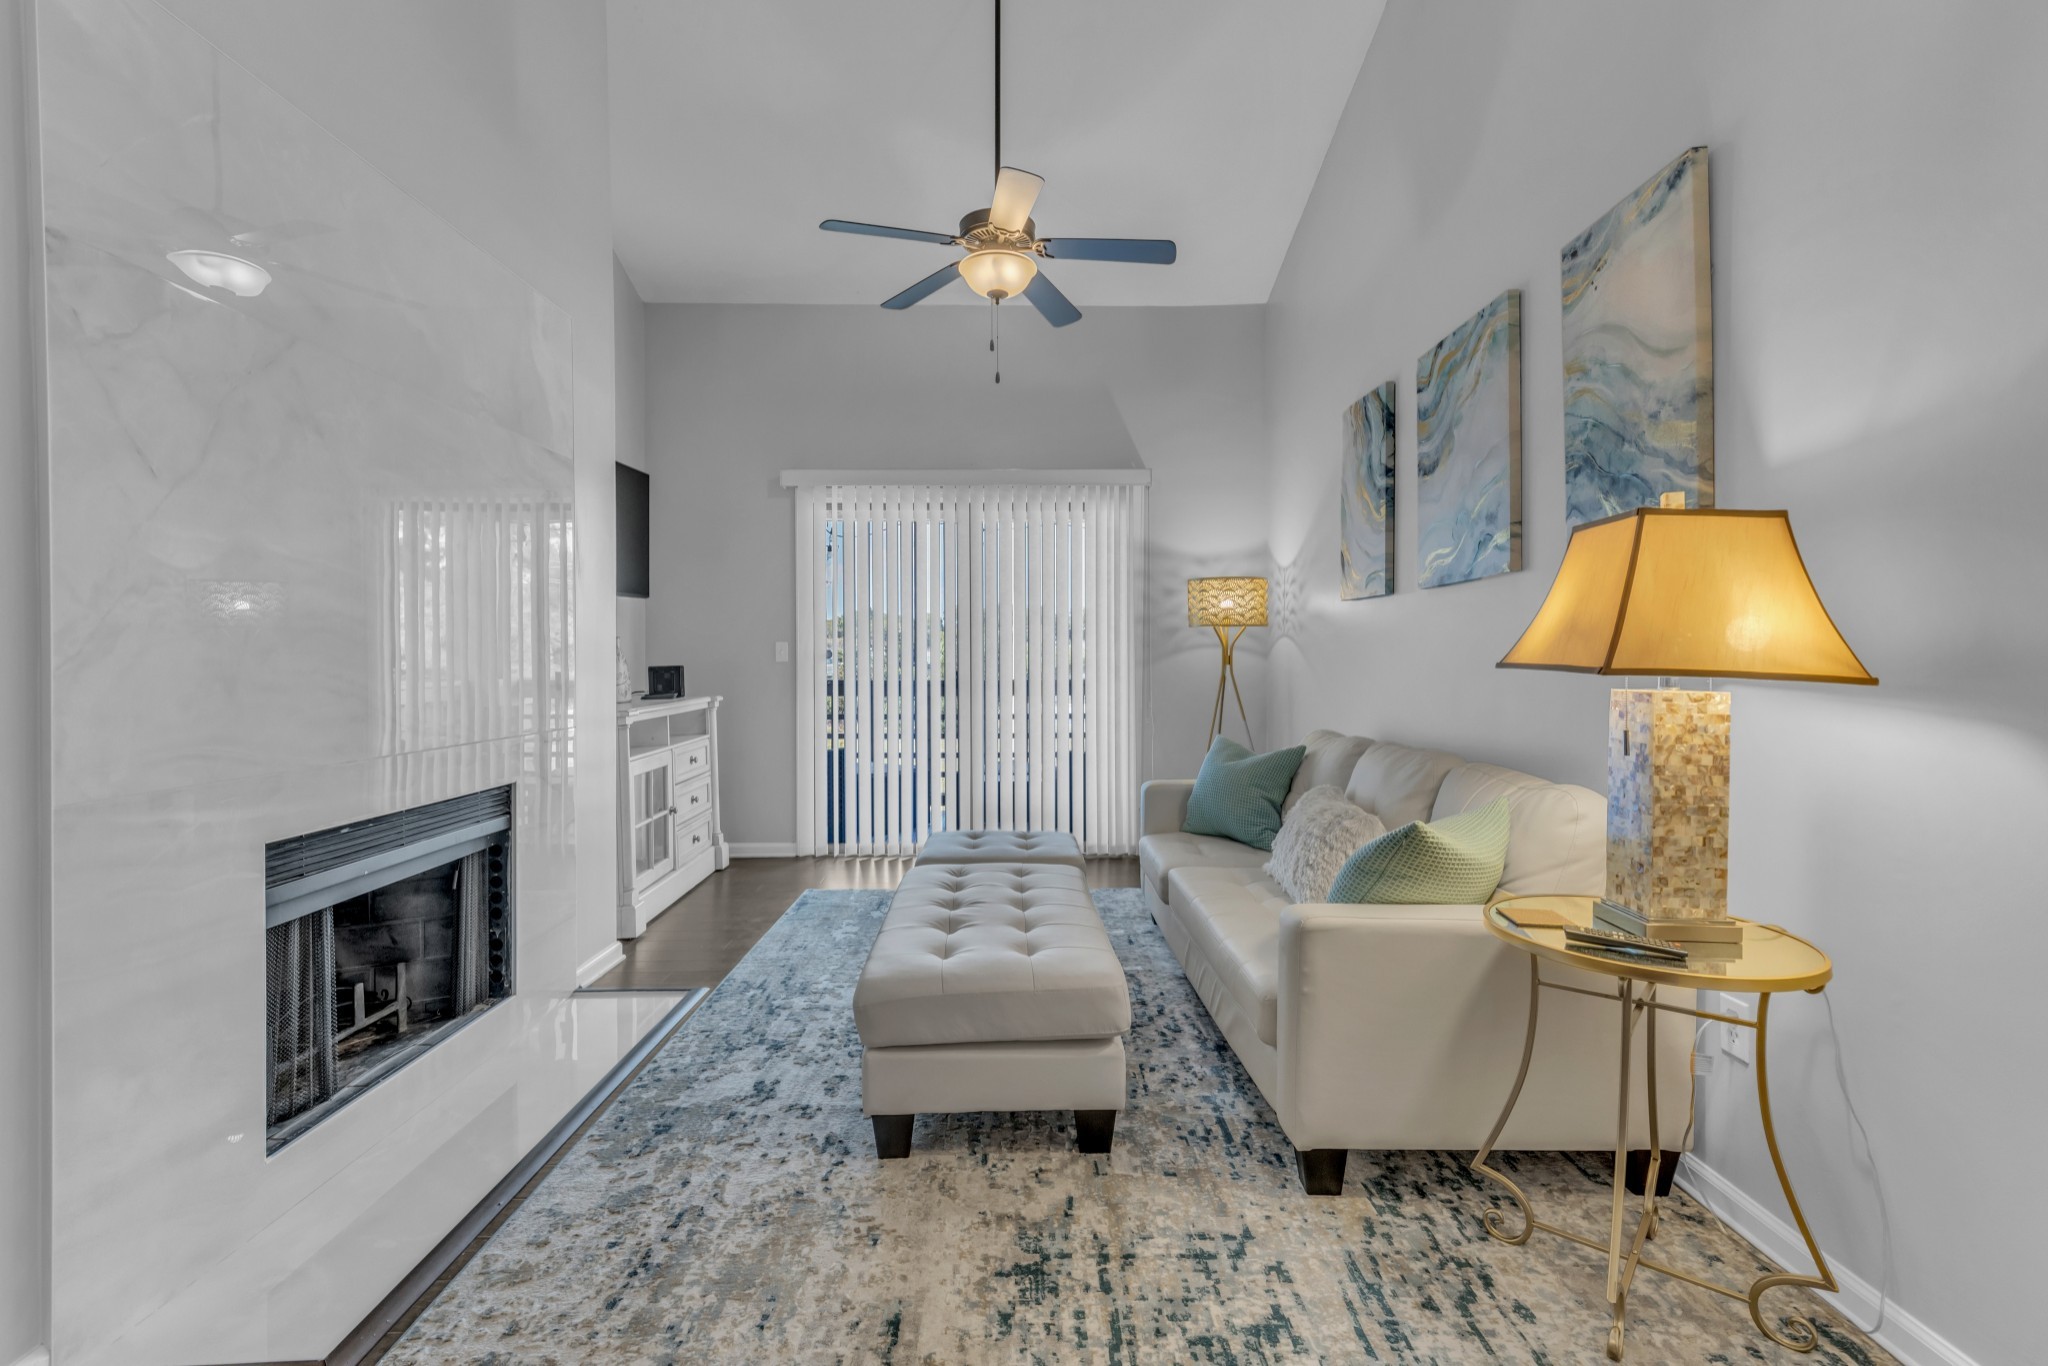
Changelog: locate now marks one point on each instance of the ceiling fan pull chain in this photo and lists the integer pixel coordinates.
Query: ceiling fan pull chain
(995, 334)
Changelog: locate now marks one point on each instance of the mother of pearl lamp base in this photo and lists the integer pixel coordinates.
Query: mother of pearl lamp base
(1667, 809)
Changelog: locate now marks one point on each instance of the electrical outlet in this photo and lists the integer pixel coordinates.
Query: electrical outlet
(782, 652)
(1738, 1041)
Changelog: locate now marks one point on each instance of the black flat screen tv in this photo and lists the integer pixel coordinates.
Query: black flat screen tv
(632, 531)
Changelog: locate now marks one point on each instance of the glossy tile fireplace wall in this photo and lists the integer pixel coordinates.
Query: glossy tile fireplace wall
(310, 562)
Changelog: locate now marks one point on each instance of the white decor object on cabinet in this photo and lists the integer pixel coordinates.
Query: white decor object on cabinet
(670, 838)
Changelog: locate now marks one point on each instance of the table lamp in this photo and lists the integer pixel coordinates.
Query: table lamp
(1669, 593)
(1229, 606)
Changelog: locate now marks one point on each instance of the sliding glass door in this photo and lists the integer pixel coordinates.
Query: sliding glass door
(972, 661)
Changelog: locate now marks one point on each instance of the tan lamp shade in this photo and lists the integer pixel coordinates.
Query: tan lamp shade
(1226, 602)
(1689, 594)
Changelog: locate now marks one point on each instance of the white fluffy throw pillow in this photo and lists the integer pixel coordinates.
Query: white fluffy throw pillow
(1318, 835)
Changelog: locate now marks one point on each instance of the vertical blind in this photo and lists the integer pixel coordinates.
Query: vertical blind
(974, 658)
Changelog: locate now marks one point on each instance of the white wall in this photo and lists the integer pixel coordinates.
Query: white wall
(1879, 343)
(738, 394)
(629, 333)
(494, 114)
(24, 1004)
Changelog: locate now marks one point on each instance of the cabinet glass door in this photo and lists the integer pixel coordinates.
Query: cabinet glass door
(650, 785)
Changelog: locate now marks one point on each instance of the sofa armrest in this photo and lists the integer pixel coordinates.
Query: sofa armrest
(1163, 805)
(1402, 1027)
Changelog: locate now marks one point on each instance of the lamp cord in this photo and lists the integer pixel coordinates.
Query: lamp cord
(1884, 1210)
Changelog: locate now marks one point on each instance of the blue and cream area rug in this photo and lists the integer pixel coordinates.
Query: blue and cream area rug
(728, 1207)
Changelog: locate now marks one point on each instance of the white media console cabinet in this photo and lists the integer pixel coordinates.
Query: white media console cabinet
(670, 836)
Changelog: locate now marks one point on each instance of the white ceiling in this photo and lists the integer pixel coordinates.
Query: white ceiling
(738, 124)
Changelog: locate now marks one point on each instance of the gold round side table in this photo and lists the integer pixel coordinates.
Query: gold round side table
(1767, 960)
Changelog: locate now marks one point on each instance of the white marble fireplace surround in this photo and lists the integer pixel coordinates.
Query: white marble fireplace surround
(310, 561)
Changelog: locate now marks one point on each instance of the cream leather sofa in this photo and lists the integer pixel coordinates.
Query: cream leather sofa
(1373, 1027)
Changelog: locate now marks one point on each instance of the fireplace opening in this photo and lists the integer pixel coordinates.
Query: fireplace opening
(383, 937)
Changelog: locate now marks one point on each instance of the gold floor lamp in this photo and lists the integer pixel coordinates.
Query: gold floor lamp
(1228, 605)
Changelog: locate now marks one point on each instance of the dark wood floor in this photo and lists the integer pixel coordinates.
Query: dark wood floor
(695, 942)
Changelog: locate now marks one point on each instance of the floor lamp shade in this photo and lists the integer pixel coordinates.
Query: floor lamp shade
(1226, 602)
(1228, 605)
(1672, 593)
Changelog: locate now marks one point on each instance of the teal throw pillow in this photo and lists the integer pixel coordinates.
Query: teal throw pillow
(1456, 861)
(1238, 793)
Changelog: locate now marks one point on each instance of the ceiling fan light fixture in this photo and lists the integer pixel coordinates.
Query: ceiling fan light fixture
(998, 272)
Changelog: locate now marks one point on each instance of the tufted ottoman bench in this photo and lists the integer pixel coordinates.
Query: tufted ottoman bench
(1001, 846)
(991, 987)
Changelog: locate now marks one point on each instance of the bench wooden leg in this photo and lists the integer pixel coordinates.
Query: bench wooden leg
(1094, 1130)
(892, 1135)
(1322, 1169)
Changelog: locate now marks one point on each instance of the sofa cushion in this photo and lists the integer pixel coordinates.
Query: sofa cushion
(1238, 793)
(1159, 855)
(1453, 862)
(1399, 784)
(1233, 922)
(990, 953)
(1330, 757)
(1557, 832)
(1315, 838)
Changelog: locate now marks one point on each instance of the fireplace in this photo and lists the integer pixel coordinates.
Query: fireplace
(382, 938)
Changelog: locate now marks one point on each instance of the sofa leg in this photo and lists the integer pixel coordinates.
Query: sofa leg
(892, 1135)
(1322, 1169)
(1639, 1168)
(1094, 1129)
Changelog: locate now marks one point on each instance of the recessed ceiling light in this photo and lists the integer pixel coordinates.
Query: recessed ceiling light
(221, 271)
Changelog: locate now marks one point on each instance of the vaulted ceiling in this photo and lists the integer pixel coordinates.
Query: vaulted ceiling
(737, 126)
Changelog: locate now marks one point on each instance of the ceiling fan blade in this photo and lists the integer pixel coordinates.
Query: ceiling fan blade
(1016, 192)
(944, 239)
(1047, 299)
(1148, 251)
(929, 285)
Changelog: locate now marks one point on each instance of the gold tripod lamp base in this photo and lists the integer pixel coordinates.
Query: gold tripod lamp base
(1228, 606)
(1228, 678)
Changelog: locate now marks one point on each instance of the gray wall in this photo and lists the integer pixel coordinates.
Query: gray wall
(495, 114)
(24, 1003)
(629, 344)
(738, 394)
(1879, 343)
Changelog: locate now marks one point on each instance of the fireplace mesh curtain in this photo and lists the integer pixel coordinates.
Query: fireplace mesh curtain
(301, 989)
(472, 933)
(973, 660)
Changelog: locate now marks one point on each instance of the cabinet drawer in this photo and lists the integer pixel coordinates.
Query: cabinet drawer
(692, 758)
(693, 796)
(693, 836)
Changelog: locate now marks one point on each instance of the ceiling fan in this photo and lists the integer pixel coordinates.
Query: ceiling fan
(1002, 242)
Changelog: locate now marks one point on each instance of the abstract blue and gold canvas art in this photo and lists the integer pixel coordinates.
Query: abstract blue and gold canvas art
(1369, 495)
(1468, 448)
(1639, 350)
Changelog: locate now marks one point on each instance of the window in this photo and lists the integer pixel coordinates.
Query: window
(972, 659)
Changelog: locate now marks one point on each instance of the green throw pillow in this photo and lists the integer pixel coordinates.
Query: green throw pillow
(1452, 862)
(1238, 793)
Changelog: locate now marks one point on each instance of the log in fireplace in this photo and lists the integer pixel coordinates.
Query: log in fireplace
(383, 937)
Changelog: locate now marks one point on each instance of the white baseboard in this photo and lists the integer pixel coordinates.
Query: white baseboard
(600, 963)
(1904, 1336)
(38, 1356)
(764, 850)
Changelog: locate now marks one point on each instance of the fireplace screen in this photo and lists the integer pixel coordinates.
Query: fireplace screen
(383, 937)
